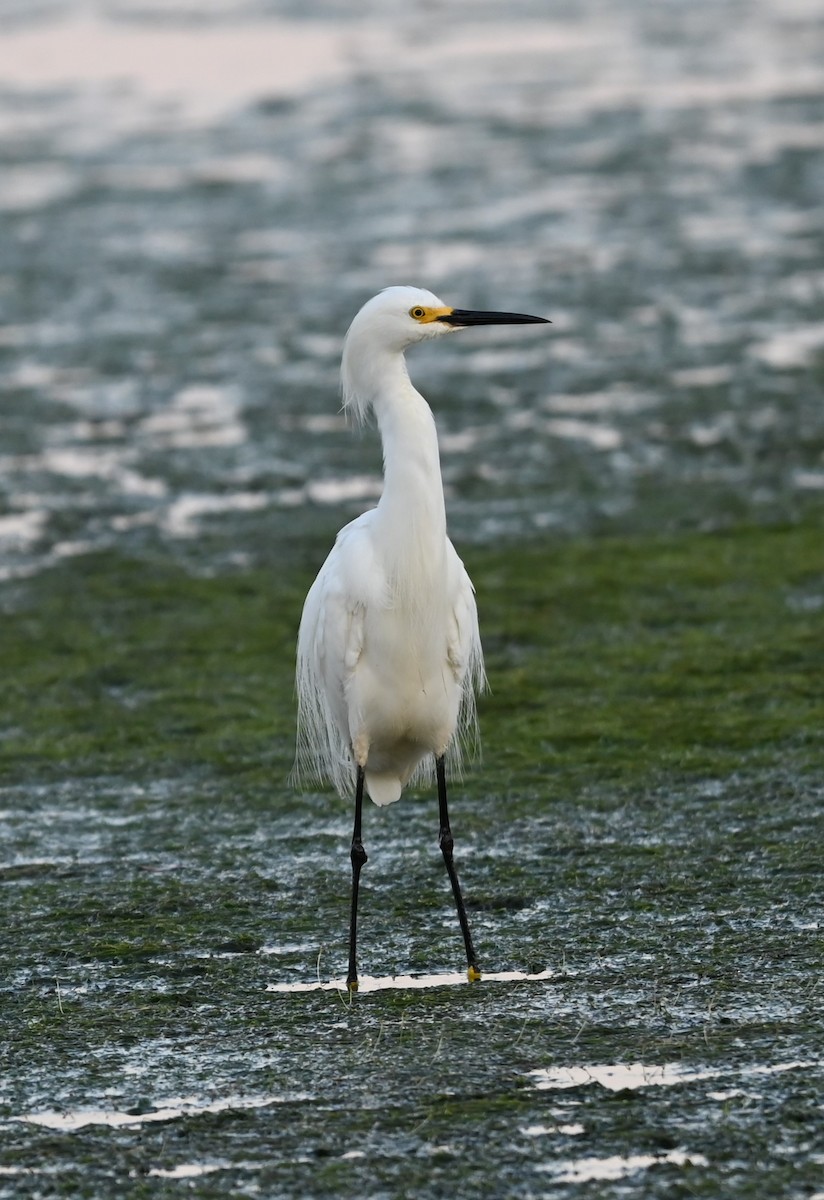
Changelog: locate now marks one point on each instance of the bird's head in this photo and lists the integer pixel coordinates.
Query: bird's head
(399, 317)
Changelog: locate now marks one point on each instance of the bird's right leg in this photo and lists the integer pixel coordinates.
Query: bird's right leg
(358, 856)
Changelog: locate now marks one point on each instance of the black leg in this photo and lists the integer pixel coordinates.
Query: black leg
(358, 856)
(447, 845)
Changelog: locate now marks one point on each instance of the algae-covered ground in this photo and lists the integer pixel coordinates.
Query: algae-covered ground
(644, 827)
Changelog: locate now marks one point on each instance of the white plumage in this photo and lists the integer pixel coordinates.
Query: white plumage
(389, 653)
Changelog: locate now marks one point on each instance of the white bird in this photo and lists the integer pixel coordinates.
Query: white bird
(389, 655)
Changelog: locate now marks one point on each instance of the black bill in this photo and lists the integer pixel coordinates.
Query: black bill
(468, 316)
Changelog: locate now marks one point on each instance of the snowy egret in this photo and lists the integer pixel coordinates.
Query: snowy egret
(389, 656)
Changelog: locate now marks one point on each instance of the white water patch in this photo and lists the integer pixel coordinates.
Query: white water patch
(463, 441)
(171, 1110)
(143, 177)
(339, 491)
(618, 1077)
(321, 423)
(569, 1130)
(615, 1077)
(58, 552)
(493, 362)
(367, 983)
(698, 377)
(600, 437)
(21, 863)
(617, 1166)
(21, 529)
(24, 570)
(35, 185)
(198, 1170)
(182, 1171)
(792, 348)
(809, 480)
(196, 417)
(79, 462)
(616, 399)
(446, 257)
(186, 1170)
(276, 949)
(181, 519)
(712, 433)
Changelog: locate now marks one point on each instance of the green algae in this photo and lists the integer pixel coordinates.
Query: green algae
(645, 822)
(608, 659)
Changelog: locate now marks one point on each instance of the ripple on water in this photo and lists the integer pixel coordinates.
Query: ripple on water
(201, 241)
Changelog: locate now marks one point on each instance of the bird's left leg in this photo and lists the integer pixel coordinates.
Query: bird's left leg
(447, 844)
(358, 857)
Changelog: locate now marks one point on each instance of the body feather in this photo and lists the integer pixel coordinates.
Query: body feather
(364, 648)
(389, 656)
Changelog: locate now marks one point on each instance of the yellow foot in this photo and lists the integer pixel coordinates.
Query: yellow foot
(473, 974)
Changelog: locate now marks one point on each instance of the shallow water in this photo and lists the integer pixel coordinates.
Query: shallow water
(194, 208)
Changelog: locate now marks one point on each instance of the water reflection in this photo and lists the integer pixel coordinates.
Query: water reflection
(369, 983)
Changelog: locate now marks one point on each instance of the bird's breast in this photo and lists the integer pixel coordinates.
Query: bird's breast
(404, 688)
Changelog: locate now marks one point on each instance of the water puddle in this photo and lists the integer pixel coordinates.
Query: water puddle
(619, 1077)
(369, 983)
(188, 1170)
(171, 1110)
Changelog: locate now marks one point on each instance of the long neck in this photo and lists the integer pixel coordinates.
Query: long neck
(411, 516)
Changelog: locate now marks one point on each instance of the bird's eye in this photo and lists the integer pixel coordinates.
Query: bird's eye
(417, 313)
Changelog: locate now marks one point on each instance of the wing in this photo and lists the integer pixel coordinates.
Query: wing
(465, 654)
(330, 643)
